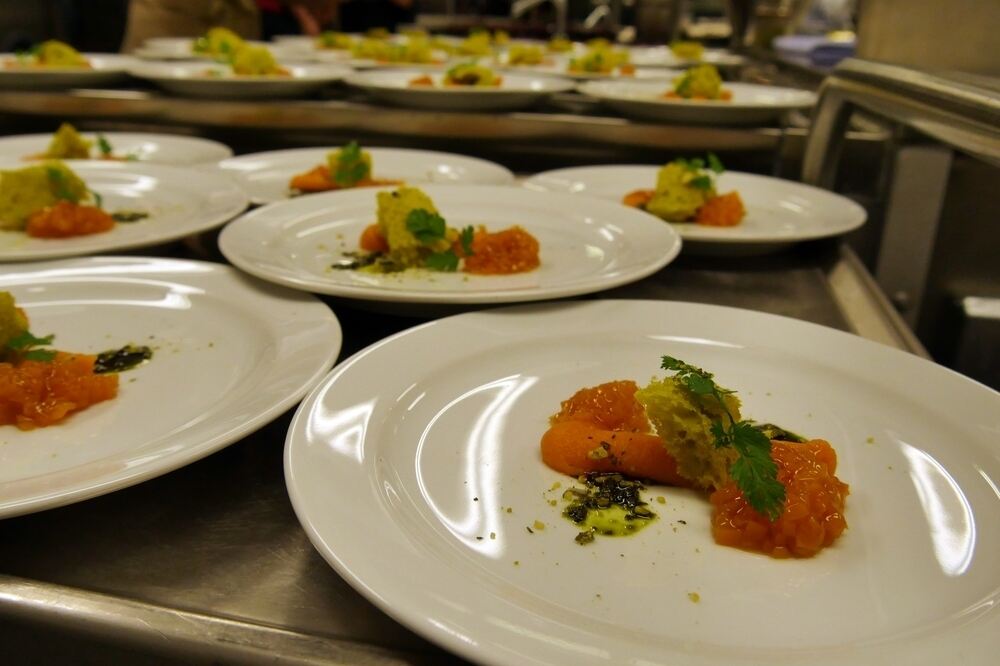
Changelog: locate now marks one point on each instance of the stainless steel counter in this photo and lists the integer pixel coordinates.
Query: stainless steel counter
(208, 564)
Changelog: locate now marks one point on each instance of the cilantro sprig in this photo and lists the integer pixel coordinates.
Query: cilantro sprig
(754, 471)
(28, 347)
(104, 146)
(63, 191)
(429, 228)
(425, 225)
(702, 170)
(351, 167)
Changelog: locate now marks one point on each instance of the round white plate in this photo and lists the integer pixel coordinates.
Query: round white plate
(179, 204)
(559, 66)
(265, 176)
(515, 90)
(151, 148)
(182, 48)
(662, 56)
(230, 354)
(750, 104)
(105, 69)
(432, 447)
(586, 245)
(191, 79)
(778, 211)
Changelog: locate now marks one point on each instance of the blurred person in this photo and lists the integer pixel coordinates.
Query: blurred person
(192, 18)
(289, 17)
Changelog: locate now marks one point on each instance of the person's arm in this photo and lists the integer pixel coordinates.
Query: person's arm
(313, 15)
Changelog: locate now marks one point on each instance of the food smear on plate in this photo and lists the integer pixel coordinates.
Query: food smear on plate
(410, 233)
(49, 54)
(771, 491)
(606, 504)
(68, 144)
(49, 200)
(602, 59)
(700, 83)
(685, 192)
(465, 75)
(40, 386)
(345, 168)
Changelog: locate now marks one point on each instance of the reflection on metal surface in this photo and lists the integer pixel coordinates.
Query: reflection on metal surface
(483, 483)
(948, 513)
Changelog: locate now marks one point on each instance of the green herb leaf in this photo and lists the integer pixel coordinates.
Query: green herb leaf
(701, 182)
(26, 340)
(754, 471)
(58, 179)
(442, 261)
(715, 164)
(104, 145)
(351, 168)
(466, 236)
(41, 355)
(425, 225)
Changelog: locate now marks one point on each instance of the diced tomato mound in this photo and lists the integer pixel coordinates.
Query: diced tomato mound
(35, 394)
(813, 516)
(725, 210)
(66, 219)
(512, 250)
(605, 429)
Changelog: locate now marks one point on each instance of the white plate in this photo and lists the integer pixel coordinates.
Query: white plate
(778, 211)
(264, 176)
(151, 148)
(105, 69)
(182, 48)
(514, 92)
(190, 79)
(230, 355)
(179, 202)
(433, 432)
(559, 66)
(750, 104)
(586, 245)
(662, 56)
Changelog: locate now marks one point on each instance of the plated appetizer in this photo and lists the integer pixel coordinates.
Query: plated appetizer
(771, 491)
(414, 51)
(411, 234)
(49, 54)
(251, 61)
(685, 192)
(50, 201)
(526, 54)
(221, 43)
(602, 60)
(559, 45)
(687, 50)
(700, 83)
(347, 167)
(468, 75)
(68, 144)
(40, 386)
(334, 41)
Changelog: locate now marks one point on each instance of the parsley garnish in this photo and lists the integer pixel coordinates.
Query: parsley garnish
(754, 471)
(26, 347)
(351, 167)
(104, 145)
(425, 225)
(446, 261)
(58, 179)
(465, 237)
(715, 164)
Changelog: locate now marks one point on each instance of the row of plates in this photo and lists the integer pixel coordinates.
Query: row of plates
(438, 453)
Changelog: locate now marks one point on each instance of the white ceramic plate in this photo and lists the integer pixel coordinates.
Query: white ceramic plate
(105, 69)
(778, 211)
(179, 202)
(192, 80)
(750, 104)
(432, 448)
(514, 92)
(662, 56)
(182, 48)
(559, 66)
(230, 354)
(151, 148)
(265, 176)
(586, 245)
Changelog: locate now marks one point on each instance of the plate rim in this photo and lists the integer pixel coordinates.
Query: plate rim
(586, 88)
(134, 476)
(415, 618)
(360, 292)
(554, 84)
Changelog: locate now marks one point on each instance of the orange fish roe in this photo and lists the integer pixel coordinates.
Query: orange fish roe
(318, 180)
(611, 405)
(638, 198)
(512, 250)
(372, 240)
(813, 516)
(36, 394)
(67, 219)
(605, 429)
(725, 210)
